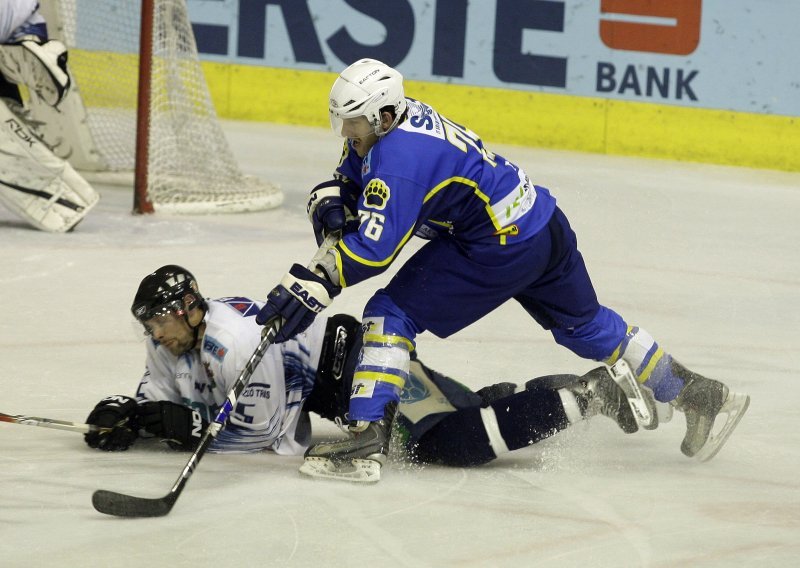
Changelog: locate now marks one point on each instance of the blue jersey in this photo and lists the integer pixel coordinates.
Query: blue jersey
(433, 178)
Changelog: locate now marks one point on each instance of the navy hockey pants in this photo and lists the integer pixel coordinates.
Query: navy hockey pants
(448, 285)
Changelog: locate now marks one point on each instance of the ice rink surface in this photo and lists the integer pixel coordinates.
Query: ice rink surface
(706, 258)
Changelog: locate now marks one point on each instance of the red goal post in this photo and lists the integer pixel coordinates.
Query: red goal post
(140, 112)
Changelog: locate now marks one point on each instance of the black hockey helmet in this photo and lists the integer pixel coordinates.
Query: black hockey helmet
(163, 291)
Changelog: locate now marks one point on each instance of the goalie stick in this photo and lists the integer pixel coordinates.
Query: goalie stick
(50, 423)
(121, 505)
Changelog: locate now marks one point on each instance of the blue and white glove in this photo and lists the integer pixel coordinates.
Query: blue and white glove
(296, 301)
(330, 208)
(326, 209)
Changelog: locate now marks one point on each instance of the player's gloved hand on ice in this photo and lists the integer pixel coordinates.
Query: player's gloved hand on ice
(326, 209)
(296, 301)
(118, 413)
(181, 427)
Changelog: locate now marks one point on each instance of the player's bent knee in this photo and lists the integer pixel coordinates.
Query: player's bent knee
(460, 440)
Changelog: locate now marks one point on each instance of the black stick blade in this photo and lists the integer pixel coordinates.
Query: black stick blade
(120, 505)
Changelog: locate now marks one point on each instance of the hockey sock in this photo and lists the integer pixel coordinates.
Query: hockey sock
(473, 436)
(652, 365)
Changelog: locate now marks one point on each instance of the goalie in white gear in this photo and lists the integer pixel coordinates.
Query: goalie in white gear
(34, 183)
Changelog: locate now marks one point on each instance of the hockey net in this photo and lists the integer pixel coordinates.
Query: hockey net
(182, 161)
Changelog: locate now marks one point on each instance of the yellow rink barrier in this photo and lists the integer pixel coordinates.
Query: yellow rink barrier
(532, 119)
(526, 118)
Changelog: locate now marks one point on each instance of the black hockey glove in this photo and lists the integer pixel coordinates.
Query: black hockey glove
(296, 301)
(118, 413)
(330, 207)
(179, 426)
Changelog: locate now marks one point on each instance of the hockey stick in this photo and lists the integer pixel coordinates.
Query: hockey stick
(51, 423)
(121, 505)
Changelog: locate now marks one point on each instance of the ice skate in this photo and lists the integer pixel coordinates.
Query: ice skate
(640, 399)
(598, 393)
(704, 400)
(358, 458)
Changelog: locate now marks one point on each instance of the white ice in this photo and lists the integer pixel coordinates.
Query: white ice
(706, 258)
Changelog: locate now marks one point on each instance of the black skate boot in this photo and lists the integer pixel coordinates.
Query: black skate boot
(702, 400)
(357, 458)
(597, 393)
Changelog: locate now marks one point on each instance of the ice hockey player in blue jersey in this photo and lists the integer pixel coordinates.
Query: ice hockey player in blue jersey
(495, 235)
(196, 348)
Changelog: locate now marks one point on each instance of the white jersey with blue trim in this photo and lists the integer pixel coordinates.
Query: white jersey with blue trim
(268, 414)
(433, 178)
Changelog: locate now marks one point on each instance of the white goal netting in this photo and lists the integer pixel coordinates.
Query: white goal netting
(190, 166)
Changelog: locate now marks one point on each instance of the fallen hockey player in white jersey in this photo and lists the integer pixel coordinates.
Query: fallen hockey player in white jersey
(197, 347)
(37, 185)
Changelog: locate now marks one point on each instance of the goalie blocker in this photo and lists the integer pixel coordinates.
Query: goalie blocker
(37, 185)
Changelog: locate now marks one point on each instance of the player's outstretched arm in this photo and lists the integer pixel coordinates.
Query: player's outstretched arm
(181, 427)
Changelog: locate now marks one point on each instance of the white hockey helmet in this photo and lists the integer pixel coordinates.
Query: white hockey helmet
(363, 89)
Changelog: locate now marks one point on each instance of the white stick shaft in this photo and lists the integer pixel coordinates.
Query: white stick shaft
(49, 423)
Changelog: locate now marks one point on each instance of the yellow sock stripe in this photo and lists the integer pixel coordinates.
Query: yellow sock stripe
(645, 374)
(615, 355)
(388, 340)
(379, 377)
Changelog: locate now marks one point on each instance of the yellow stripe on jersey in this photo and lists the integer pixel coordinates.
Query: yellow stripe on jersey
(386, 261)
(444, 224)
(499, 230)
(379, 377)
(482, 196)
(337, 255)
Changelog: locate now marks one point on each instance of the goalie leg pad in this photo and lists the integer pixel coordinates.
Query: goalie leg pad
(41, 67)
(37, 185)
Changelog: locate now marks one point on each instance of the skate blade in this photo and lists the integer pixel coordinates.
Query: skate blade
(643, 406)
(734, 408)
(357, 471)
